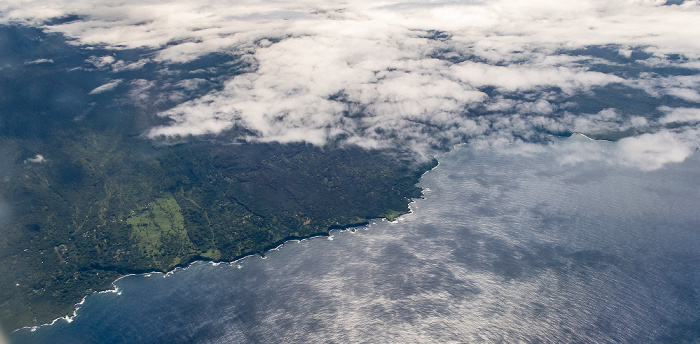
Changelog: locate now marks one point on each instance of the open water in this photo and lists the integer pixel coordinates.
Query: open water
(503, 248)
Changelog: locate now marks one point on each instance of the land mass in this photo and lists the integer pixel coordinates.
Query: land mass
(80, 221)
(86, 198)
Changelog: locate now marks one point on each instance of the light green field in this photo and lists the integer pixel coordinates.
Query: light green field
(391, 215)
(212, 254)
(158, 232)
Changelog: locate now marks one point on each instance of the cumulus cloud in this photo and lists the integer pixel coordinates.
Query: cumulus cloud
(652, 151)
(346, 79)
(123, 66)
(418, 75)
(37, 159)
(647, 152)
(680, 115)
(101, 61)
(681, 86)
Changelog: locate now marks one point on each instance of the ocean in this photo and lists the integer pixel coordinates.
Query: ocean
(507, 245)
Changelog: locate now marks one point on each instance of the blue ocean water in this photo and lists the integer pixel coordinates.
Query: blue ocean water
(504, 247)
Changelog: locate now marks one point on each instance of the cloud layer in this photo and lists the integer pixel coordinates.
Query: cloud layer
(414, 75)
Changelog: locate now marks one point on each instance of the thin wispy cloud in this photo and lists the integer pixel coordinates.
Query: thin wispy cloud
(39, 61)
(415, 75)
(106, 87)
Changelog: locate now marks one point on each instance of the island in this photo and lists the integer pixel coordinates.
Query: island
(86, 197)
(107, 209)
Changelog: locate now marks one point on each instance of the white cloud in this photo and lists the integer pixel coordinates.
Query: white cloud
(107, 87)
(366, 85)
(101, 61)
(679, 115)
(638, 122)
(682, 86)
(516, 77)
(122, 66)
(39, 61)
(141, 91)
(191, 84)
(647, 152)
(652, 151)
(685, 94)
(369, 71)
(37, 159)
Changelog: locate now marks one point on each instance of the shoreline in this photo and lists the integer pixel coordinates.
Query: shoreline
(274, 246)
(199, 259)
(115, 289)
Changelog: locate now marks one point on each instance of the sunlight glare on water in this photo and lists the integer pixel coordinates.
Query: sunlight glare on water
(503, 248)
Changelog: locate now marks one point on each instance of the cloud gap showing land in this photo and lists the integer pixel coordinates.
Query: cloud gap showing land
(419, 76)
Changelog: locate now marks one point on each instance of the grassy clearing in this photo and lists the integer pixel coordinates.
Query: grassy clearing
(158, 232)
(391, 215)
(212, 254)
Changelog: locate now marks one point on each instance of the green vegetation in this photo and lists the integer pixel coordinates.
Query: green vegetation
(159, 233)
(102, 205)
(212, 254)
(105, 201)
(97, 211)
(391, 214)
(85, 198)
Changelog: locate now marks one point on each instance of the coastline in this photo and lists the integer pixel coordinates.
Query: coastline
(200, 259)
(147, 273)
(261, 253)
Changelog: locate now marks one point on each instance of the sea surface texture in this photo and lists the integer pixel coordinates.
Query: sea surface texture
(506, 246)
